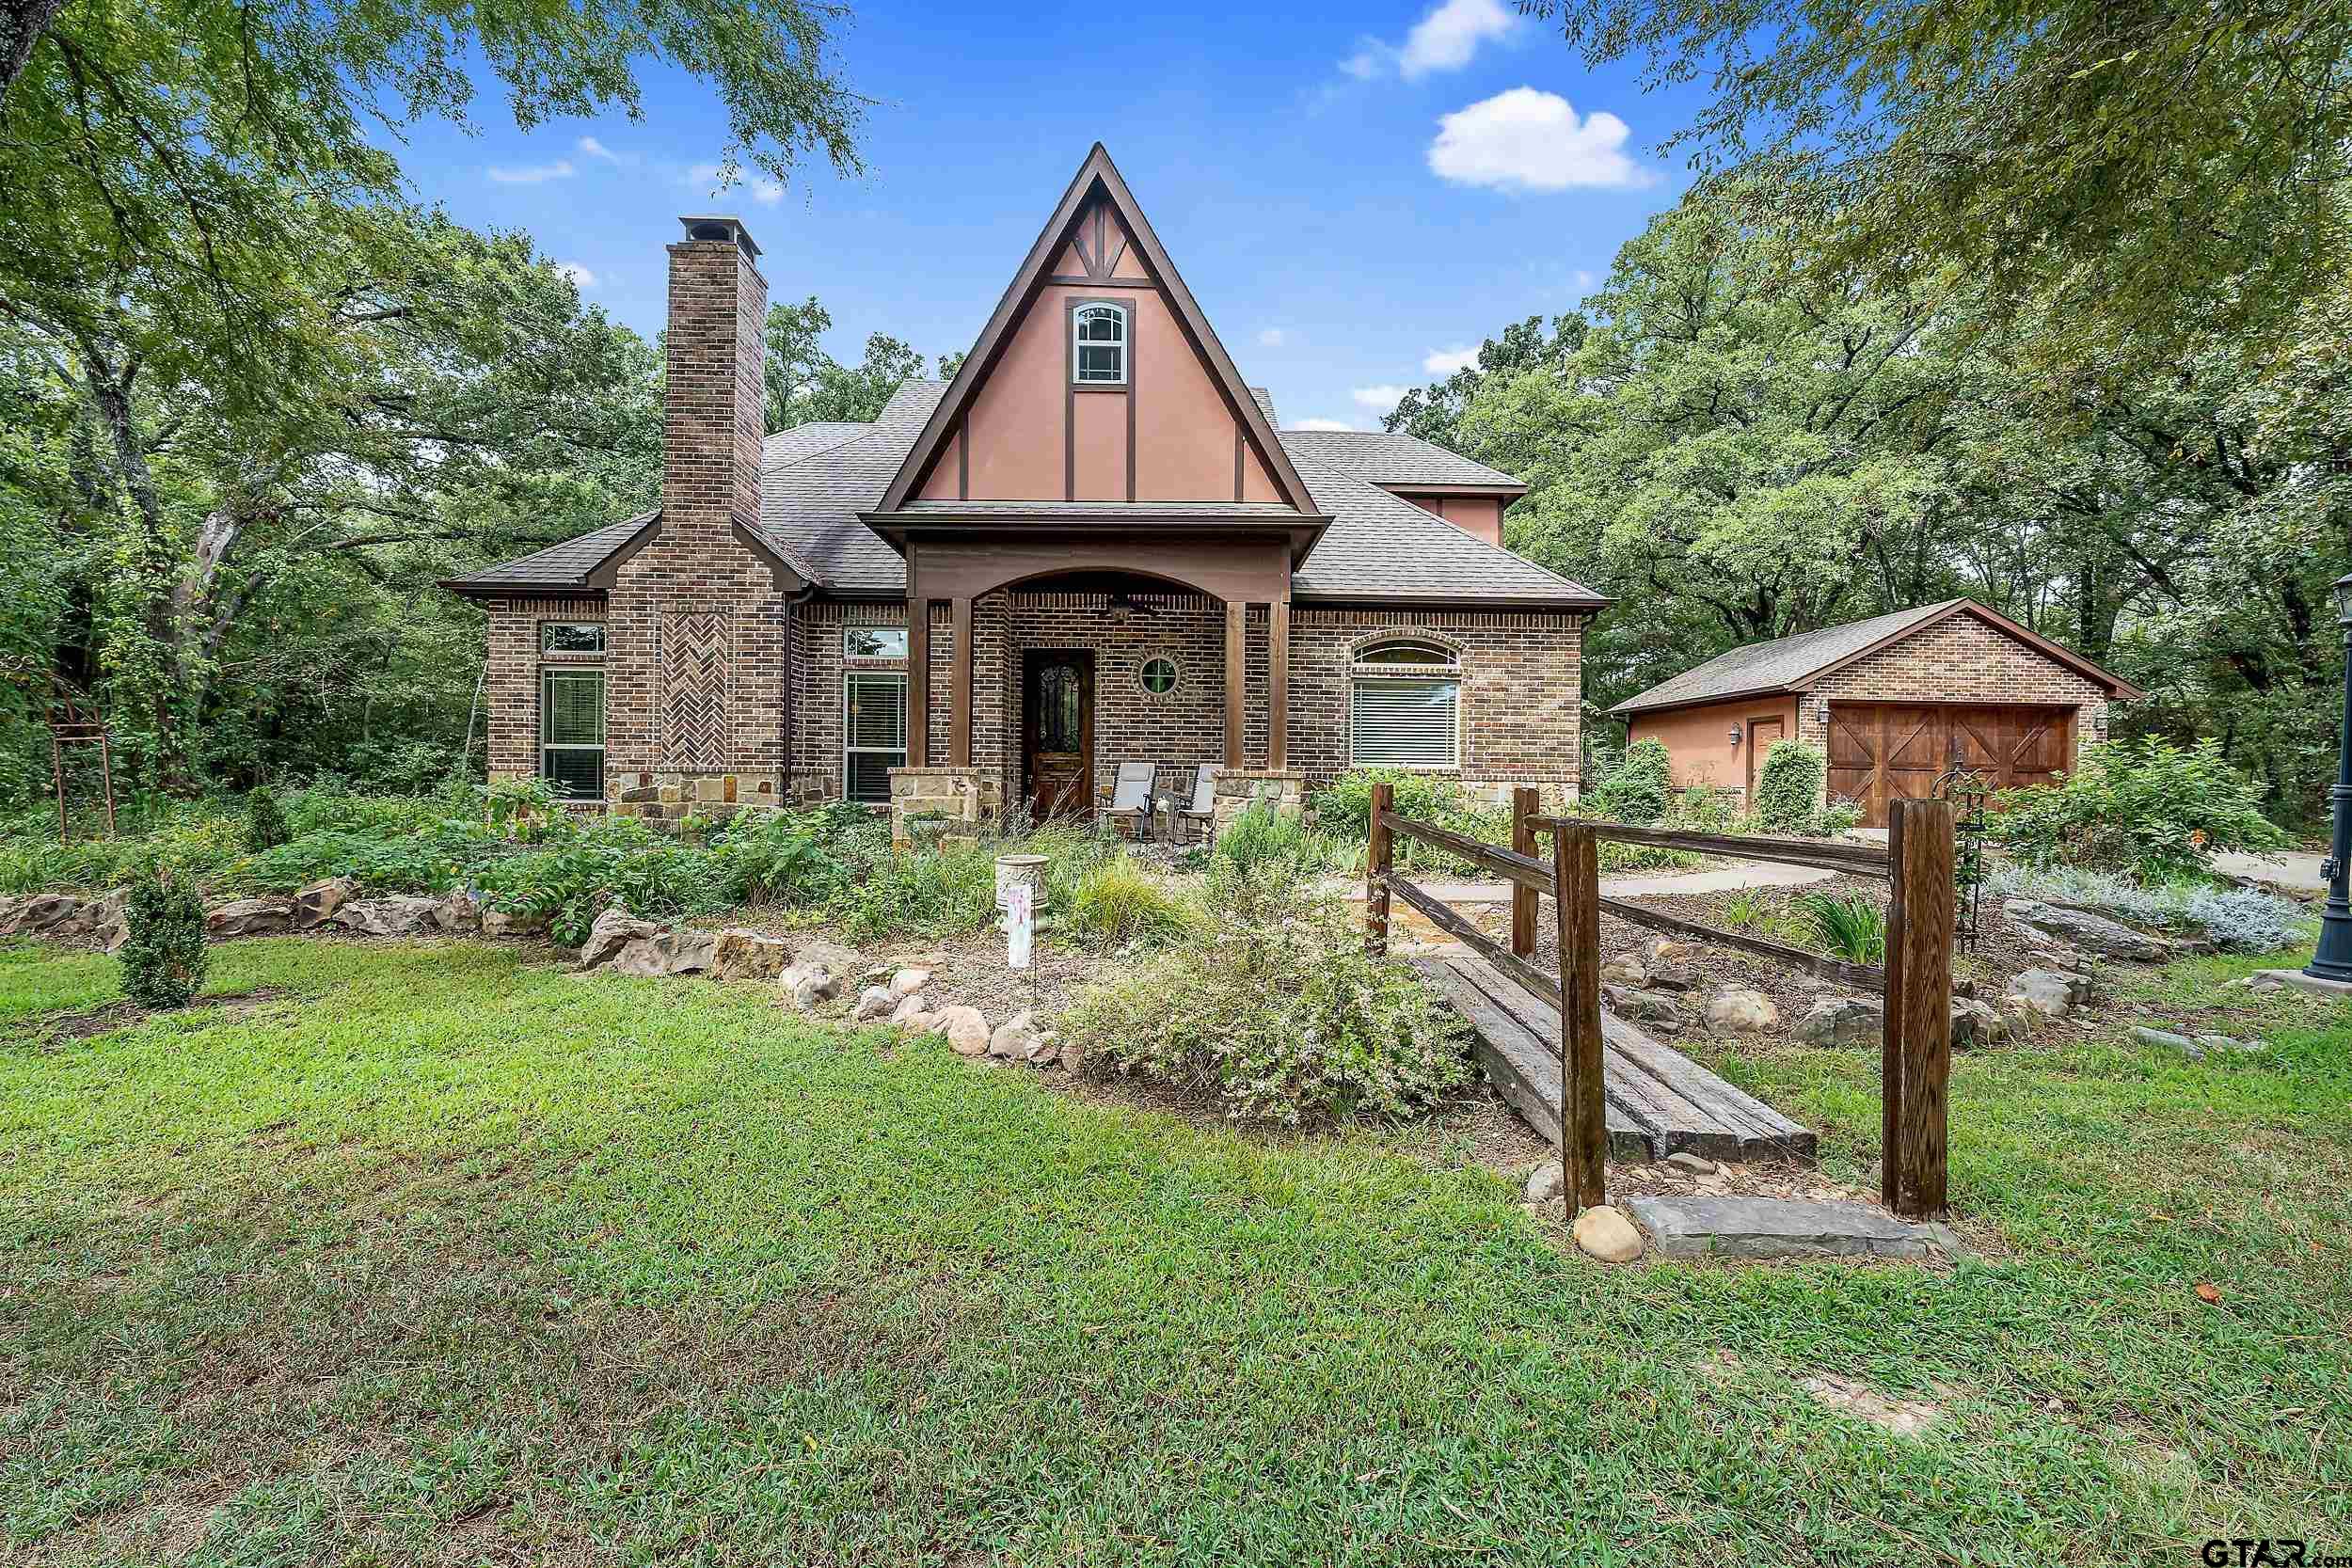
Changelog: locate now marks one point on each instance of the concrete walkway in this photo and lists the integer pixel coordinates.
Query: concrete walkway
(2295, 868)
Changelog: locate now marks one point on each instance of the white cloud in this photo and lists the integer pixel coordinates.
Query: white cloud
(582, 277)
(1526, 140)
(534, 174)
(1445, 361)
(1318, 424)
(1379, 398)
(710, 177)
(1446, 39)
(1273, 337)
(1586, 278)
(596, 149)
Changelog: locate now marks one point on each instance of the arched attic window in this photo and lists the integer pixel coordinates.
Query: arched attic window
(1404, 705)
(1098, 345)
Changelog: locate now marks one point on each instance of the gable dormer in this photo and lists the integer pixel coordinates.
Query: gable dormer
(1098, 380)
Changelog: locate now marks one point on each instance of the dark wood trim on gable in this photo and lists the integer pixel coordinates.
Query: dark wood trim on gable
(1097, 174)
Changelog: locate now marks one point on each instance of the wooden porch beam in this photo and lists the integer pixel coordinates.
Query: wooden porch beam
(1277, 745)
(1236, 678)
(918, 681)
(959, 721)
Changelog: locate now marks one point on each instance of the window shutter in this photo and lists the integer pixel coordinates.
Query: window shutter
(1404, 724)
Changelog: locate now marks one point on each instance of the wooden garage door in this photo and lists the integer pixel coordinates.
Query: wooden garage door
(1881, 751)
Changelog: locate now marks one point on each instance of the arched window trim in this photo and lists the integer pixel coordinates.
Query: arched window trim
(1083, 311)
(1406, 715)
(1365, 653)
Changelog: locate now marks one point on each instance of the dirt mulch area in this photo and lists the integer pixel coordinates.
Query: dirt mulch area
(54, 1029)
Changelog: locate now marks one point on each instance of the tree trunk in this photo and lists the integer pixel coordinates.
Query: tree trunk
(22, 24)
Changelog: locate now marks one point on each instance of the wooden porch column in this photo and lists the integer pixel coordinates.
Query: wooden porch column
(1278, 644)
(918, 681)
(1236, 678)
(960, 720)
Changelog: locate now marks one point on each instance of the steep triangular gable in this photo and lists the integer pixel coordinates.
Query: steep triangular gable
(2116, 685)
(1098, 236)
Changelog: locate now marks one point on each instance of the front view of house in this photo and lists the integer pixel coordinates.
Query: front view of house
(1092, 547)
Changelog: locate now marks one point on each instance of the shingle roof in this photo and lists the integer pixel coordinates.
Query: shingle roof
(1389, 457)
(1378, 547)
(1780, 664)
(558, 566)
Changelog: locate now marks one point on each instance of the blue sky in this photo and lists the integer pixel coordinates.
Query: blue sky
(1349, 190)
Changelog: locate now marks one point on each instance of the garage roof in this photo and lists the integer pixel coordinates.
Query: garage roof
(1795, 663)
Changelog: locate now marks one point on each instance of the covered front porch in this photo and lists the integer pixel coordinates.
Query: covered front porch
(1037, 666)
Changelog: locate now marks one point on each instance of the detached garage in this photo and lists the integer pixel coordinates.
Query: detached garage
(1895, 701)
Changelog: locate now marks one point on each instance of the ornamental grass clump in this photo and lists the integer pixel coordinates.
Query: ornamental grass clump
(1278, 1011)
(1118, 901)
(1848, 924)
(163, 956)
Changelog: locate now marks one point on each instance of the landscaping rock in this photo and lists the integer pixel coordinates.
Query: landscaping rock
(740, 954)
(688, 952)
(817, 953)
(1669, 964)
(872, 1002)
(808, 985)
(1736, 1008)
(1647, 1005)
(1071, 1055)
(394, 914)
(1780, 1227)
(1625, 971)
(456, 913)
(2261, 980)
(967, 1029)
(1977, 1023)
(1844, 1021)
(250, 917)
(1017, 1039)
(317, 903)
(2169, 1040)
(2225, 1042)
(37, 913)
(906, 982)
(1682, 1159)
(111, 927)
(2092, 932)
(614, 929)
(1545, 1181)
(911, 1009)
(2047, 993)
(513, 923)
(1605, 1233)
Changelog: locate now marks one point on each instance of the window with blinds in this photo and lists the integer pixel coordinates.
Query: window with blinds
(873, 734)
(571, 733)
(1404, 707)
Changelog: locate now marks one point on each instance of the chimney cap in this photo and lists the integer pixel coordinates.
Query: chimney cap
(721, 226)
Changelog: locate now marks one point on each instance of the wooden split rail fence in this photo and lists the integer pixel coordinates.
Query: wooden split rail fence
(1916, 1048)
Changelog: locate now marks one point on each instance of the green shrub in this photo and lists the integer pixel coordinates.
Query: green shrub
(1116, 901)
(1842, 815)
(1637, 789)
(1281, 1013)
(1848, 924)
(264, 821)
(1788, 786)
(1343, 812)
(943, 890)
(2147, 808)
(163, 956)
(801, 860)
(1704, 809)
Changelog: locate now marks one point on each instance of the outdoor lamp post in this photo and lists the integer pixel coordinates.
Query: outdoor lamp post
(2333, 959)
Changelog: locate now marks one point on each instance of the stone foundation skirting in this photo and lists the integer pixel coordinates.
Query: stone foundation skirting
(1284, 789)
(666, 797)
(929, 802)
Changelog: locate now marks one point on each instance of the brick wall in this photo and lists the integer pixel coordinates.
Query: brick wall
(696, 623)
(1960, 659)
(509, 688)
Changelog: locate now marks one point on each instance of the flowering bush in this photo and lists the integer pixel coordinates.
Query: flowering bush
(2146, 807)
(1280, 1012)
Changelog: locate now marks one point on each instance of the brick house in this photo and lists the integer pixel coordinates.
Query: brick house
(1895, 701)
(1093, 546)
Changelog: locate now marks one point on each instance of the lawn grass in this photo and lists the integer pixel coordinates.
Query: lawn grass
(441, 1255)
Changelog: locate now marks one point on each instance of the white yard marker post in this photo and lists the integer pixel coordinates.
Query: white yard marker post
(1020, 923)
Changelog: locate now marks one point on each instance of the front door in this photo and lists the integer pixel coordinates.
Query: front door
(1057, 731)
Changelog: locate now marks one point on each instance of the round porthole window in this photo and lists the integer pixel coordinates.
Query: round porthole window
(1159, 676)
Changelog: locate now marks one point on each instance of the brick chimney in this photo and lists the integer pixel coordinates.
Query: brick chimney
(694, 676)
(714, 403)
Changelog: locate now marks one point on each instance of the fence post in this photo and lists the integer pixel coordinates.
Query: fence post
(1377, 859)
(1525, 803)
(1583, 1129)
(1916, 1051)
